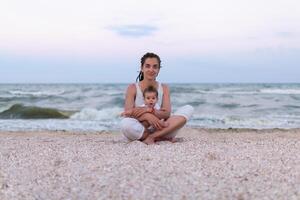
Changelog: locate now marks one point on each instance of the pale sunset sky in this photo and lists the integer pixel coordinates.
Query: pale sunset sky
(94, 41)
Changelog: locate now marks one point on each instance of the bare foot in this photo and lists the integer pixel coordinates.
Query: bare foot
(173, 140)
(145, 135)
(149, 140)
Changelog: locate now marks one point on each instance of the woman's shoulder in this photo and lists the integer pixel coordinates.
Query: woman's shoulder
(131, 85)
(165, 86)
(131, 88)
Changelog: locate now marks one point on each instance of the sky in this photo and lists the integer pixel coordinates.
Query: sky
(95, 41)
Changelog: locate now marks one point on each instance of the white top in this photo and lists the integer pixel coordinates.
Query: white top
(139, 99)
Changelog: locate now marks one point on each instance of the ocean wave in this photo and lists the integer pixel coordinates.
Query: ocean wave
(117, 101)
(236, 121)
(56, 125)
(195, 103)
(225, 92)
(228, 105)
(36, 93)
(19, 111)
(4, 107)
(280, 91)
(251, 105)
(106, 114)
(295, 97)
(30, 98)
(240, 122)
(292, 106)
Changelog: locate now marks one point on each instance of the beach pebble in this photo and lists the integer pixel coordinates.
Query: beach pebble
(205, 164)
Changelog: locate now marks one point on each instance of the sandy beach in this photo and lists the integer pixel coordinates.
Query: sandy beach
(206, 164)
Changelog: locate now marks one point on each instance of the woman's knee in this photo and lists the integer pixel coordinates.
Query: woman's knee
(185, 111)
(132, 128)
(180, 118)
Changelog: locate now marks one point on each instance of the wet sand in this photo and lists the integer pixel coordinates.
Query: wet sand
(206, 164)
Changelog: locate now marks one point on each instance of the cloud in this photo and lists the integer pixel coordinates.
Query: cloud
(253, 37)
(134, 31)
(287, 34)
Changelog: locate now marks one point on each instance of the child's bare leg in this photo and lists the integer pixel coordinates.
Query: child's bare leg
(146, 133)
(145, 124)
(163, 123)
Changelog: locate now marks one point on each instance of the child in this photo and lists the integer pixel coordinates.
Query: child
(150, 95)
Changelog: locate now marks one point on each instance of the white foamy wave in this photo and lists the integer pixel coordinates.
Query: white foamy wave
(56, 125)
(280, 91)
(268, 121)
(224, 92)
(5, 107)
(35, 93)
(221, 92)
(262, 122)
(94, 114)
(238, 122)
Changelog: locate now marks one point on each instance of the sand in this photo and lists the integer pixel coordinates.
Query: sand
(206, 164)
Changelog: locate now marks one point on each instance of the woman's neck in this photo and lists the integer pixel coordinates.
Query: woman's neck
(146, 83)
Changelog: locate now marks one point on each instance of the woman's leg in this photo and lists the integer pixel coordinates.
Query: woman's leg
(175, 123)
(132, 129)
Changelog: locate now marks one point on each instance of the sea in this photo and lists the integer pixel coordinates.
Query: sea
(97, 107)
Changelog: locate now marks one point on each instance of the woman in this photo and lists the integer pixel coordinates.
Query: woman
(135, 126)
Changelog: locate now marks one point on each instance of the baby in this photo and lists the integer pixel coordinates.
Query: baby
(150, 95)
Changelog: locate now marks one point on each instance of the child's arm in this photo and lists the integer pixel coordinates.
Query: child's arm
(165, 111)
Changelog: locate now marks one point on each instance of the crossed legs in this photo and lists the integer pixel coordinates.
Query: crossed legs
(175, 123)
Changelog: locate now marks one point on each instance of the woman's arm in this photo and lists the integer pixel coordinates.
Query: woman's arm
(129, 97)
(165, 111)
(152, 120)
(129, 106)
(139, 113)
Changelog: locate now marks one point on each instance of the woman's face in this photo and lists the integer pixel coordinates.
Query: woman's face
(150, 68)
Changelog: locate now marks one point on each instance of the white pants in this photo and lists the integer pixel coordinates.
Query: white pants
(133, 129)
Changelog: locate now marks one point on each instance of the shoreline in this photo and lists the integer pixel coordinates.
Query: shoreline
(206, 164)
(187, 128)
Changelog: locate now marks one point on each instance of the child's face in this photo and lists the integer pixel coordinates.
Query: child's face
(150, 99)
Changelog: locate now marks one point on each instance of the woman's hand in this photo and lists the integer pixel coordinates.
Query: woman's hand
(126, 113)
(138, 112)
(152, 120)
(134, 112)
